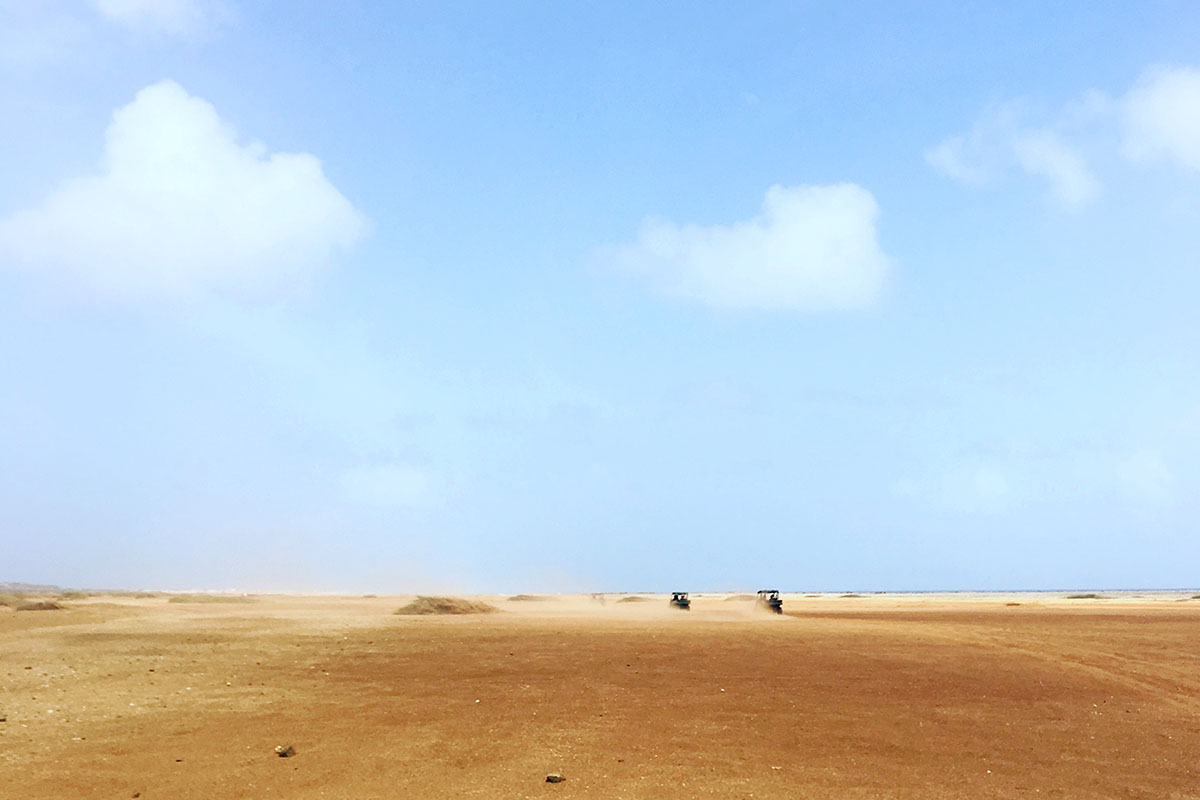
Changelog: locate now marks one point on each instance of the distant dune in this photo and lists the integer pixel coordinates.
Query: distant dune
(29, 588)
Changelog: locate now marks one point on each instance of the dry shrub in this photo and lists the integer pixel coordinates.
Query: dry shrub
(445, 605)
(852, 596)
(636, 599)
(41, 605)
(1088, 596)
(1012, 604)
(209, 598)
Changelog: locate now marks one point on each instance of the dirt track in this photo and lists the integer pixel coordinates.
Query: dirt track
(843, 698)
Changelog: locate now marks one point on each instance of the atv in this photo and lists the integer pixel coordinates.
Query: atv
(768, 599)
(680, 600)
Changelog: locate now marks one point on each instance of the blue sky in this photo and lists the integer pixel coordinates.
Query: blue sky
(599, 296)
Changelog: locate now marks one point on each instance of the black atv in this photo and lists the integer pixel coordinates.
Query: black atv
(680, 600)
(769, 600)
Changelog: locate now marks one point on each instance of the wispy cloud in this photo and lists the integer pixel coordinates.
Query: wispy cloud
(811, 247)
(1158, 119)
(1005, 139)
(170, 17)
(42, 32)
(958, 157)
(179, 207)
(1045, 154)
(980, 156)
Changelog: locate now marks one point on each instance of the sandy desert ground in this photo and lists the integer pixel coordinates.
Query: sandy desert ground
(881, 696)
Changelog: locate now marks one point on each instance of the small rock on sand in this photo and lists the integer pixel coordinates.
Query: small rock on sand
(555, 777)
(285, 751)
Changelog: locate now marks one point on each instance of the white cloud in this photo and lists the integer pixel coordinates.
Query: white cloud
(957, 157)
(1162, 116)
(980, 157)
(1002, 140)
(390, 485)
(1158, 119)
(812, 247)
(179, 207)
(1044, 153)
(172, 17)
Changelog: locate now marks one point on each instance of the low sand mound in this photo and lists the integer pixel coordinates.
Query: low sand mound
(636, 599)
(446, 605)
(526, 598)
(740, 597)
(41, 605)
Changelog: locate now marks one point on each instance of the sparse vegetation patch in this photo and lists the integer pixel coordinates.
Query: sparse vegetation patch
(41, 605)
(210, 598)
